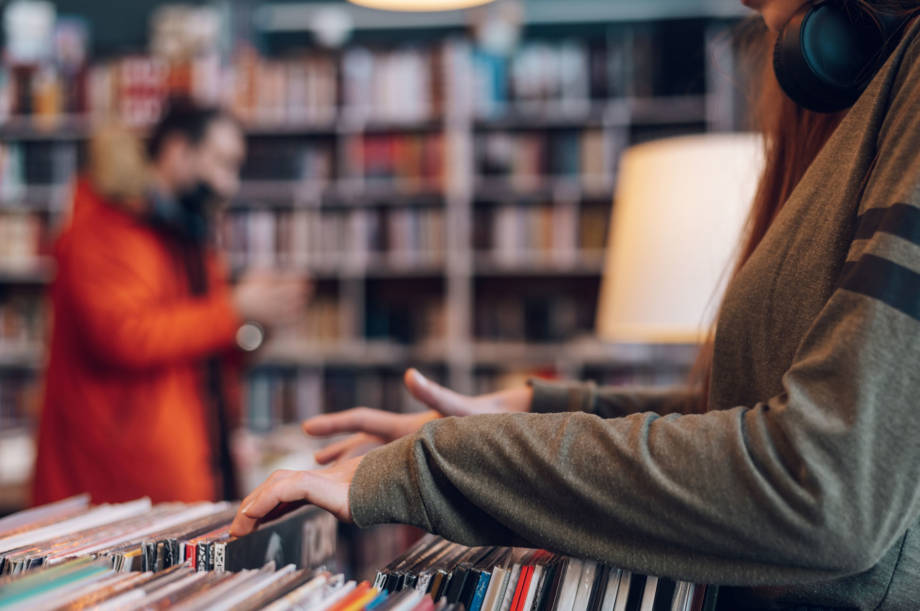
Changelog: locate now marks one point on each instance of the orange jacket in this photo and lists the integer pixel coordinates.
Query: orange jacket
(124, 412)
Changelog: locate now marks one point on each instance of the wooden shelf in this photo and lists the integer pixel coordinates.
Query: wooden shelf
(501, 354)
(557, 114)
(371, 125)
(340, 193)
(520, 115)
(328, 127)
(27, 356)
(37, 198)
(78, 127)
(36, 271)
(294, 353)
(665, 110)
(540, 264)
(343, 120)
(489, 188)
(615, 112)
(62, 128)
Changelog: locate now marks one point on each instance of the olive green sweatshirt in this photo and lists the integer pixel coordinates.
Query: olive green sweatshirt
(802, 484)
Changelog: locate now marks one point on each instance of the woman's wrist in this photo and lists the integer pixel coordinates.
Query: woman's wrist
(519, 399)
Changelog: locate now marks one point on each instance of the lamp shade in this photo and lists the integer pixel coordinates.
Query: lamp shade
(679, 209)
(419, 5)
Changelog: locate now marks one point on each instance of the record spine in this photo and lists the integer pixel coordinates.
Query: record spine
(220, 556)
(201, 562)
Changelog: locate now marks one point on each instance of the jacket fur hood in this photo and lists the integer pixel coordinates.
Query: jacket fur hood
(117, 166)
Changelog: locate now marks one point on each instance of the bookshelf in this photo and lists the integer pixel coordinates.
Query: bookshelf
(457, 223)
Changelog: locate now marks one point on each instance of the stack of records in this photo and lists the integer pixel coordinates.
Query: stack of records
(87, 583)
(70, 555)
(139, 536)
(519, 579)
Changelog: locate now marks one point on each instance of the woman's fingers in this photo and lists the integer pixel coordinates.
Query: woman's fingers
(355, 420)
(437, 397)
(327, 488)
(280, 487)
(355, 445)
(332, 452)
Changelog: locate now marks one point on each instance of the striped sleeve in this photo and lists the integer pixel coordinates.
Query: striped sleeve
(884, 260)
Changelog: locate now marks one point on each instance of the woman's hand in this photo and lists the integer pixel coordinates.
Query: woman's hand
(326, 488)
(373, 427)
(449, 403)
(377, 427)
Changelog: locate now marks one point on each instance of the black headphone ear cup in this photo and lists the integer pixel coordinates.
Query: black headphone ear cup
(788, 63)
(824, 57)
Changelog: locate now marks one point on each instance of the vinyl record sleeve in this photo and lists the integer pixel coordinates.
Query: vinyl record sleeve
(534, 583)
(517, 603)
(585, 584)
(497, 585)
(664, 594)
(514, 578)
(569, 588)
(479, 596)
(636, 591)
(304, 537)
(649, 593)
(623, 587)
(37, 517)
(599, 587)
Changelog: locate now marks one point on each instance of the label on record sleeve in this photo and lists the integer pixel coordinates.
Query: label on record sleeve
(201, 562)
(220, 557)
(319, 539)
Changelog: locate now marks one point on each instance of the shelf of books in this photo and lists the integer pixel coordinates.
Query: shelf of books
(451, 202)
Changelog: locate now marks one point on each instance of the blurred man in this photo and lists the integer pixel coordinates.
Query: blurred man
(141, 390)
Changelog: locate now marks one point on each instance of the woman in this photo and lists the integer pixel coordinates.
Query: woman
(798, 480)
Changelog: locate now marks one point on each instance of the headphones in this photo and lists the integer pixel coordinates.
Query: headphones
(826, 55)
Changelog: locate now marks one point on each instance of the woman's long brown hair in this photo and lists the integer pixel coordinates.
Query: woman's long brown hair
(793, 137)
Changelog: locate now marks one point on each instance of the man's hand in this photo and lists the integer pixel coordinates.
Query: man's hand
(272, 299)
(325, 488)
